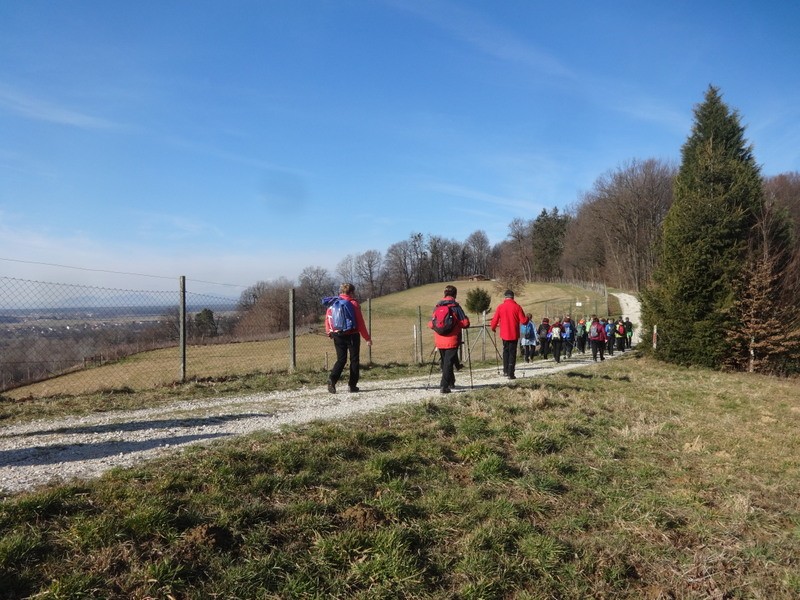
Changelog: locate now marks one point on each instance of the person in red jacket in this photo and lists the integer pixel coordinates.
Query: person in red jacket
(347, 341)
(597, 338)
(448, 343)
(509, 315)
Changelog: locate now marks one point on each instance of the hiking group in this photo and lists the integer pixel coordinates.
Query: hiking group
(345, 324)
(560, 338)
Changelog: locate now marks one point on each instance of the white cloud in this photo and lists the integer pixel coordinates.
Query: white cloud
(37, 109)
(487, 37)
(209, 269)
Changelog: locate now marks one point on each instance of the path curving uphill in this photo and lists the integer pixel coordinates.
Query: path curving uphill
(58, 450)
(632, 308)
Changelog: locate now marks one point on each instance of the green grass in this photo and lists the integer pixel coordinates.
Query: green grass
(630, 479)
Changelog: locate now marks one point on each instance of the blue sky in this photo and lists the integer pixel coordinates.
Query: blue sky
(239, 141)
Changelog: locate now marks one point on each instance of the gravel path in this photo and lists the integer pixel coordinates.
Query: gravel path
(41, 452)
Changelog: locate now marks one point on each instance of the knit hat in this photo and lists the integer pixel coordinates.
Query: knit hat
(508, 294)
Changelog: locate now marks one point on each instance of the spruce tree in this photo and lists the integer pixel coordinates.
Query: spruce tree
(706, 234)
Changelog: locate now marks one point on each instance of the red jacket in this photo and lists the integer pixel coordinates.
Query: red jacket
(510, 316)
(361, 326)
(601, 332)
(452, 339)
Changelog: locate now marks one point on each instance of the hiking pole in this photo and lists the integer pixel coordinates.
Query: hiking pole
(433, 362)
(469, 359)
(496, 353)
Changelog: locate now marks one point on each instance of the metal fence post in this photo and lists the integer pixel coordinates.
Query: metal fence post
(483, 341)
(421, 343)
(182, 328)
(292, 334)
(369, 328)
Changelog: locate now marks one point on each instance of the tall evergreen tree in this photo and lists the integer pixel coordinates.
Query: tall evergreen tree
(704, 246)
(548, 235)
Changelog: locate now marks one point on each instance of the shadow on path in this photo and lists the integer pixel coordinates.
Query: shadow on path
(123, 426)
(43, 455)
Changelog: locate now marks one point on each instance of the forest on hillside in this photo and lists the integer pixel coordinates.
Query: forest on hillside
(610, 236)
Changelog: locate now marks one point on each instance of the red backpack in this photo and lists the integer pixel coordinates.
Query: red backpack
(443, 320)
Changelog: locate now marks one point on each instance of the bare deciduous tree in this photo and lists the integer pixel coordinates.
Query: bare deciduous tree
(477, 250)
(315, 283)
(620, 221)
(368, 267)
(346, 270)
(519, 232)
(270, 311)
(399, 265)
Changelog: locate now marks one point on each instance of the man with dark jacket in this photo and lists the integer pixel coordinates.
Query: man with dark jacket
(509, 315)
(448, 343)
(542, 331)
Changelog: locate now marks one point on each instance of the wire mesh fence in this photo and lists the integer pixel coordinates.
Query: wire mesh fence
(61, 339)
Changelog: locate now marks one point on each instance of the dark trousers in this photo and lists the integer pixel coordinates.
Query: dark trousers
(621, 343)
(610, 345)
(598, 346)
(545, 346)
(344, 344)
(449, 360)
(582, 344)
(528, 351)
(569, 345)
(509, 356)
(555, 345)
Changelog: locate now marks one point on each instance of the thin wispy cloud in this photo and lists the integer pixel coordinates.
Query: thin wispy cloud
(175, 227)
(631, 100)
(490, 39)
(37, 109)
(656, 111)
(466, 193)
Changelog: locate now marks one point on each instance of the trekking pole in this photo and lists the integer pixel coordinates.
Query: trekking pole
(433, 362)
(469, 359)
(496, 353)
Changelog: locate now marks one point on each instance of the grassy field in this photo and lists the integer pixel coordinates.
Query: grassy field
(628, 479)
(393, 319)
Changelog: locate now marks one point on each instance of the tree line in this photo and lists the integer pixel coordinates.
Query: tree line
(725, 291)
(712, 229)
